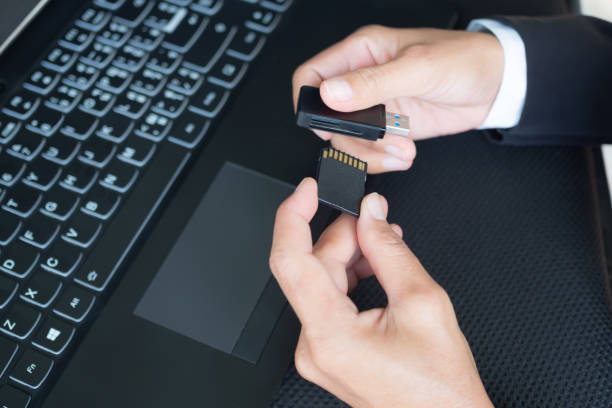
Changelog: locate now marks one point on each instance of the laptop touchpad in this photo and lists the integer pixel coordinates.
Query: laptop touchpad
(215, 285)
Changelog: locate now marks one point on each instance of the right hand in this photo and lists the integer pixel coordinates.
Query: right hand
(445, 81)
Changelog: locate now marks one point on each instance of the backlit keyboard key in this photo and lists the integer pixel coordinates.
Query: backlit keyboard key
(93, 19)
(147, 38)
(185, 81)
(25, 145)
(170, 103)
(136, 151)
(8, 289)
(153, 127)
(81, 230)
(79, 125)
(44, 121)
(148, 82)
(11, 397)
(164, 60)
(209, 47)
(186, 33)
(9, 227)
(22, 104)
(64, 98)
(41, 289)
(98, 55)
(41, 81)
(19, 321)
(132, 104)
(8, 128)
(78, 177)
(32, 369)
(60, 59)
(76, 39)
(114, 80)
(191, 130)
(114, 127)
(53, 336)
(208, 7)
(246, 44)
(39, 231)
(41, 174)
(228, 71)
(74, 303)
(115, 34)
(11, 170)
(130, 58)
(118, 176)
(100, 203)
(8, 349)
(61, 149)
(263, 20)
(97, 102)
(81, 76)
(132, 12)
(59, 204)
(97, 152)
(19, 259)
(21, 200)
(209, 100)
(62, 259)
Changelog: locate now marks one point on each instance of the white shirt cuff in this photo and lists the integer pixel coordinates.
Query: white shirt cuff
(508, 106)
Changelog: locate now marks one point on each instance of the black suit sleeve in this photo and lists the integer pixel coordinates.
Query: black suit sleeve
(569, 81)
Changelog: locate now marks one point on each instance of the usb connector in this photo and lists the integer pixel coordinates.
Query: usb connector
(372, 123)
(398, 124)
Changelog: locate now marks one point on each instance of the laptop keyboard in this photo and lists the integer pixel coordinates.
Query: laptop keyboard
(90, 144)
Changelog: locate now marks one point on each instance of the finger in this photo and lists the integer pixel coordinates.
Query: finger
(393, 153)
(396, 267)
(306, 284)
(373, 85)
(371, 45)
(361, 269)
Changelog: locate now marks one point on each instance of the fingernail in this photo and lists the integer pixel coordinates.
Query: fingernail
(301, 184)
(375, 207)
(397, 153)
(391, 163)
(339, 89)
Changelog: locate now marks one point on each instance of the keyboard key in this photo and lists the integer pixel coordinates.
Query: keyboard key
(22, 104)
(32, 369)
(166, 16)
(209, 47)
(8, 349)
(114, 80)
(136, 151)
(93, 19)
(59, 204)
(147, 38)
(109, 4)
(97, 152)
(44, 121)
(191, 130)
(76, 39)
(97, 102)
(41, 81)
(170, 103)
(81, 230)
(130, 58)
(64, 98)
(21, 200)
(148, 82)
(11, 397)
(8, 128)
(246, 44)
(98, 55)
(9, 227)
(78, 177)
(114, 127)
(132, 104)
(183, 35)
(228, 71)
(144, 200)
(74, 303)
(11, 170)
(115, 34)
(41, 290)
(277, 5)
(19, 320)
(118, 176)
(209, 100)
(208, 7)
(132, 12)
(19, 259)
(53, 336)
(185, 81)
(79, 125)
(61, 149)
(25, 145)
(41, 174)
(81, 76)
(164, 60)
(153, 127)
(59, 59)
(39, 231)
(8, 288)
(100, 203)
(61, 259)
(263, 20)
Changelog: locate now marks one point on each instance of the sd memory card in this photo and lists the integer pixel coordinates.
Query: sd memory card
(341, 180)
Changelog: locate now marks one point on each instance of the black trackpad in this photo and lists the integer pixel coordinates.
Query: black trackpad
(217, 274)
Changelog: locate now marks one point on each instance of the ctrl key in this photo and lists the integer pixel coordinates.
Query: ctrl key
(32, 369)
(11, 397)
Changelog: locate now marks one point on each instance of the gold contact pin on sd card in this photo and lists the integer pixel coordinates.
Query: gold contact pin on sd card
(341, 178)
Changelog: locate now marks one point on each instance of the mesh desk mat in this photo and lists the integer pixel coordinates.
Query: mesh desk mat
(513, 235)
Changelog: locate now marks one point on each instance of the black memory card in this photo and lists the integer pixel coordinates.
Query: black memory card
(341, 178)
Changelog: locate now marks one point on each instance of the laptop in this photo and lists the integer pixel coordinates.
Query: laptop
(144, 148)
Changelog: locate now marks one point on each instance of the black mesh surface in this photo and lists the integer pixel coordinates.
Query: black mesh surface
(512, 235)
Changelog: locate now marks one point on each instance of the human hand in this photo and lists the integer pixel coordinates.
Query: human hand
(411, 353)
(445, 81)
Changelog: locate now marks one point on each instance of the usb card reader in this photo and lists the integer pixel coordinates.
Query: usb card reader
(372, 123)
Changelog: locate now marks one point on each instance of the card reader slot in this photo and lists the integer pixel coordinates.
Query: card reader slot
(331, 127)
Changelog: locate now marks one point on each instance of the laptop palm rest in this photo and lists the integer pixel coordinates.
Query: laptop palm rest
(215, 285)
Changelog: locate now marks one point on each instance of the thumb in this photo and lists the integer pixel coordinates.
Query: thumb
(398, 270)
(366, 87)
